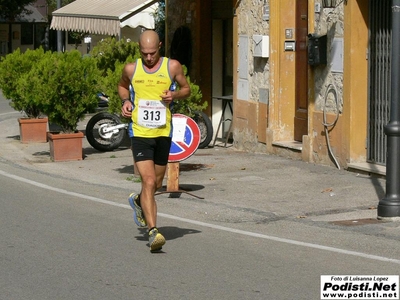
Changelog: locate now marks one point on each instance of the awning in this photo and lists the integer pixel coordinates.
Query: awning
(97, 16)
(144, 18)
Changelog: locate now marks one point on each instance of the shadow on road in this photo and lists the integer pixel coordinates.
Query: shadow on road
(169, 232)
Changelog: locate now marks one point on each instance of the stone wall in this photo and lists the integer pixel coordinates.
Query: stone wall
(251, 22)
(328, 89)
(329, 22)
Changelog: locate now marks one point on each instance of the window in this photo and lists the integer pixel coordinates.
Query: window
(26, 34)
(74, 38)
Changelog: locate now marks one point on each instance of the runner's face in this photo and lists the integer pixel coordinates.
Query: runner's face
(150, 55)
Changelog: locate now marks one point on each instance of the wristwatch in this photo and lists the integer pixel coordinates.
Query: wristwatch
(123, 101)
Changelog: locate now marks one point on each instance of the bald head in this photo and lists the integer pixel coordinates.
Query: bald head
(149, 38)
(149, 45)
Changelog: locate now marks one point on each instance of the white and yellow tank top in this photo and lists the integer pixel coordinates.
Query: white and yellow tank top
(150, 116)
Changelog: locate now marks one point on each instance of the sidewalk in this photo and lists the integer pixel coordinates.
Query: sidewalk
(274, 187)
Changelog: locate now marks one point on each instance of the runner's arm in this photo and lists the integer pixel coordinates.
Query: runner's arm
(123, 89)
(176, 71)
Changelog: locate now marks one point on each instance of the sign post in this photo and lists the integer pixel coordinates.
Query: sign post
(173, 179)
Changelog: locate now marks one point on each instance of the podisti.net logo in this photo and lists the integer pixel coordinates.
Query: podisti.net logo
(360, 287)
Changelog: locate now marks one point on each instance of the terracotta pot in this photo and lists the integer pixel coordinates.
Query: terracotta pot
(33, 130)
(65, 146)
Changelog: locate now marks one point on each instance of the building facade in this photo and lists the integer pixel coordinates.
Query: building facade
(309, 78)
(27, 31)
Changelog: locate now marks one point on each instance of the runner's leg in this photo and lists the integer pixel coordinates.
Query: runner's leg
(149, 186)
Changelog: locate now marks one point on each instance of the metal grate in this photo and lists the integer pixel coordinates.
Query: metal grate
(329, 3)
(379, 79)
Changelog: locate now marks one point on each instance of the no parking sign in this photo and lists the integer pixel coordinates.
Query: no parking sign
(185, 138)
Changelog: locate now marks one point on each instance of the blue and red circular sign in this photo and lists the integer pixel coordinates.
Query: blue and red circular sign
(185, 138)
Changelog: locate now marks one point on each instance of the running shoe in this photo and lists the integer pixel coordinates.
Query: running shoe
(137, 210)
(156, 240)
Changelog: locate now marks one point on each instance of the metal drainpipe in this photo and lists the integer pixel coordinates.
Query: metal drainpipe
(389, 206)
(59, 33)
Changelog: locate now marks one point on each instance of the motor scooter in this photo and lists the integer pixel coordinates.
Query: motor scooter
(106, 131)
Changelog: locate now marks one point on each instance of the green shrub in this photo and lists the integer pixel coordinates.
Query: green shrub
(110, 87)
(110, 51)
(13, 67)
(111, 56)
(66, 84)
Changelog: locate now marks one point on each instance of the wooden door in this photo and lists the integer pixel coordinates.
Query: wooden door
(301, 86)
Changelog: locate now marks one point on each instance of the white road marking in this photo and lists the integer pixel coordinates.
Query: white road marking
(10, 113)
(203, 224)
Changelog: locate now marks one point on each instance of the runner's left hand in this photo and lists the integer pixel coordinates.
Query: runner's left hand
(166, 96)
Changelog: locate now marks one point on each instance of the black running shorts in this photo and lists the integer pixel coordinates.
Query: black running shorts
(155, 149)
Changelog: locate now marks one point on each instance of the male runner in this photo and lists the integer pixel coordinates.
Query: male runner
(151, 127)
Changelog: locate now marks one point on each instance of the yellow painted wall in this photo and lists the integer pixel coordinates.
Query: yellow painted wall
(355, 86)
(282, 94)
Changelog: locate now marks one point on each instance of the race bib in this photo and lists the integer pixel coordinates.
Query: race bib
(152, 113)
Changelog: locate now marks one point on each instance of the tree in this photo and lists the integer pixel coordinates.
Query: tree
(159, 18)
(10, 10)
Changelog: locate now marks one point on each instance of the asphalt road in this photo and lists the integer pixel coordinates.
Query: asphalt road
(63, 239)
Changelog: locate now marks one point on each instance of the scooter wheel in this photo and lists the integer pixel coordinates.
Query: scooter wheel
(206, 128)
(95, 132)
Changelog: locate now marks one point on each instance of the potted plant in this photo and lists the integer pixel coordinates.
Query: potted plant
(33, 126)
(66, 85)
